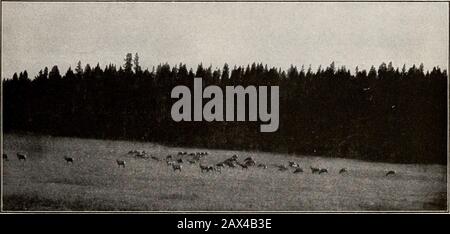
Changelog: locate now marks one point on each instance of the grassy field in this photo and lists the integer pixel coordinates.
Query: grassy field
(95, 182)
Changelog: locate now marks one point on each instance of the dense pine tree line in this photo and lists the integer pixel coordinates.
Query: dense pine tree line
(384, 114)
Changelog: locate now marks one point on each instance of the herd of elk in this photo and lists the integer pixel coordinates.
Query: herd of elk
(195, 157)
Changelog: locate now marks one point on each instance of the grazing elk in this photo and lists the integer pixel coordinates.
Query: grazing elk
(142, 154)
(390, 173)
(204, 168)
(229, 163)
(323, 170)
(196, 157)
(120, 163)
(250, 162)
(343, 170)
(243, 165)
(21, 157)
(5, 157)
(298, 170)
(229, 160)
(315, 170)
(261, 165)
(155, 158)
(68, 159)
(215, 168)
(176, 167)
(293, 164)
(191, 161)
(282, 168)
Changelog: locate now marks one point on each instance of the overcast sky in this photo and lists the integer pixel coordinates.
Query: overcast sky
(35, 35)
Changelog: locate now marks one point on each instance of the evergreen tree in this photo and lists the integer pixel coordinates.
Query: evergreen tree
(127, 67)
(137, 67)
(54, 73)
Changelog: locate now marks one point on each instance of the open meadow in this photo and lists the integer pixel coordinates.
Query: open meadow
(95, 182)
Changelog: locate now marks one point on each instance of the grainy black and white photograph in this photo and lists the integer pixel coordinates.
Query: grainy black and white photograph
(224, 106)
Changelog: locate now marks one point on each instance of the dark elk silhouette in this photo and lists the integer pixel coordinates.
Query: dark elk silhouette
(323, 170)
(176, 167)
(298, 170)
(68, 159)
(21, 157)
(204, 168)
(315, 170)
(121, 163)
(343, 170)
(390, 173)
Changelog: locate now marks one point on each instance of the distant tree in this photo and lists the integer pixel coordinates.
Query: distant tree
(293, 73)
(390, 67)
(69, 74)
(225, 73)
(54, 73)
(87, 70)
(372, 73)
(45, 74)
(127, 67)
(421, 68)
(23, 76)
(137, 67)
(404, 72)
(15, 77)
(200, 71)
(332, 68)
(79, 69)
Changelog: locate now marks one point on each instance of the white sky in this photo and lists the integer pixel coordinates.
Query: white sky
(35, 35)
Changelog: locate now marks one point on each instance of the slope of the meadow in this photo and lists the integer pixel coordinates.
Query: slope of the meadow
(94, 182)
